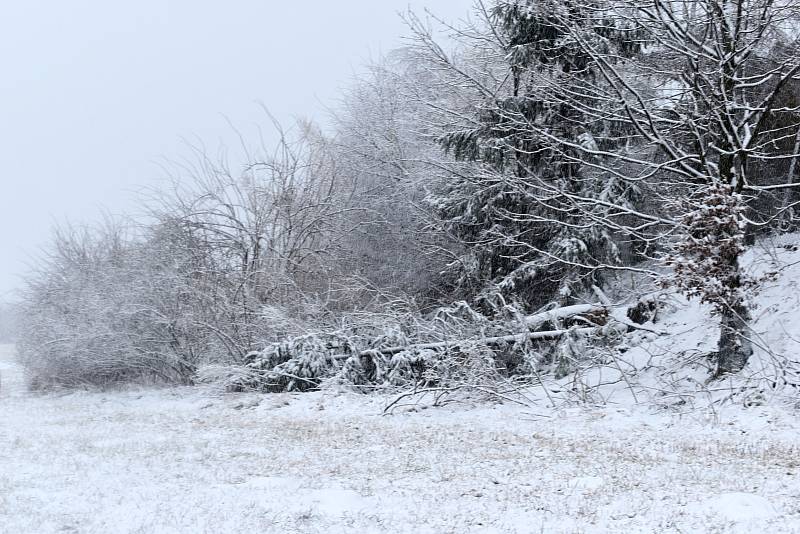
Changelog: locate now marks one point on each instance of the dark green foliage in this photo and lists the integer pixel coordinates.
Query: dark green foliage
(517, 214)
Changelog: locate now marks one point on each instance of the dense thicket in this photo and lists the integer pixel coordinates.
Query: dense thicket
(459, 193)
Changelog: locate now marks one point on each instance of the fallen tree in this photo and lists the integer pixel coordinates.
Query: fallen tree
(403, 351)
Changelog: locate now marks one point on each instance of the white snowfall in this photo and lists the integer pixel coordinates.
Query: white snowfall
(182, 460)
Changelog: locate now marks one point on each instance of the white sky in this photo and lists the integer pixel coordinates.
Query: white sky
(93, 93)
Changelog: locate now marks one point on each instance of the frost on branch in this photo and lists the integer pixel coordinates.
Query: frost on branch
(452, 348)
(376, 351)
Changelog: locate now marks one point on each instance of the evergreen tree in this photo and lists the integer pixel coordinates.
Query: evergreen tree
(526, 235)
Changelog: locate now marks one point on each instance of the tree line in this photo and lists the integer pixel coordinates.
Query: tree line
(540, 152)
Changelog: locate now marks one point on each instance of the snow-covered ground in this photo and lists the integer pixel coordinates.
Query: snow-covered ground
(179, 460)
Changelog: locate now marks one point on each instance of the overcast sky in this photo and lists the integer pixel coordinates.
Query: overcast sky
(93, 94)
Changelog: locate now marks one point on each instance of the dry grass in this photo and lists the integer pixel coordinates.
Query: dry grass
(175, 461)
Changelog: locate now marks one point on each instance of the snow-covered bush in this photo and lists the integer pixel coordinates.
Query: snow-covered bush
(104, 309)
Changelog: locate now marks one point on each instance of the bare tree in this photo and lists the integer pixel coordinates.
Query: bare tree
(385, 153)
(269, 235)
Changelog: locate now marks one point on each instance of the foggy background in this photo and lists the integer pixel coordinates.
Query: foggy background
(94, 95)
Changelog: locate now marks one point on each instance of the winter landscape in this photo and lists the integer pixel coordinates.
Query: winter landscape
(534, 269)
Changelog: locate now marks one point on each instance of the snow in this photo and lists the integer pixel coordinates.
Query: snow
(587, 483)
(667, 363)
(741, 507)
(661, 449)
(180, 460)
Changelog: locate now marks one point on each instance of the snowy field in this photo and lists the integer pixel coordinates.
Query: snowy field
(181, 461)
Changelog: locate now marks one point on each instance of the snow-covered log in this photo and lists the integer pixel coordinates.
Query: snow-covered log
(494, 340)
(386, 354)
(537, 320)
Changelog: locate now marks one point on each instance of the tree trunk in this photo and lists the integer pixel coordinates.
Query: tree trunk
(734, 347)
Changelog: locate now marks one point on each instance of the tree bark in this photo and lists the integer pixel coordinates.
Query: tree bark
(735, 348)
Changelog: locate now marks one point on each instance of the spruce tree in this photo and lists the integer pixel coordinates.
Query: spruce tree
(526, 236)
